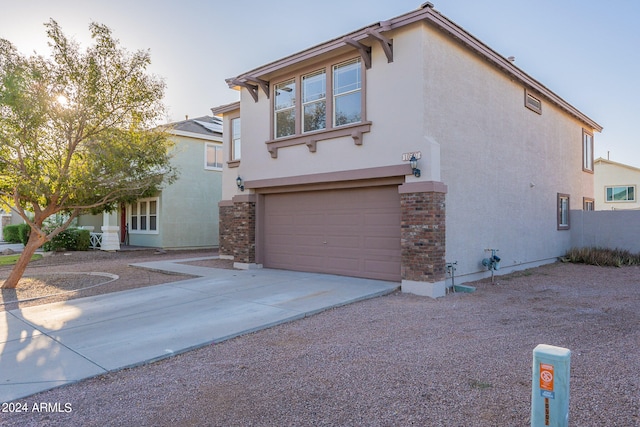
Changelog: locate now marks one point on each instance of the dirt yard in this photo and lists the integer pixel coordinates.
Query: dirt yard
(398, 360)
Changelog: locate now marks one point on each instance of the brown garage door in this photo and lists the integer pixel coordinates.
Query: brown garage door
(352, 232)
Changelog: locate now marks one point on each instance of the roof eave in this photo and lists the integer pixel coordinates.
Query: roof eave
(441, 22)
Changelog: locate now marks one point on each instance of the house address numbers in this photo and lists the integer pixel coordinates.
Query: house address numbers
(407, 156)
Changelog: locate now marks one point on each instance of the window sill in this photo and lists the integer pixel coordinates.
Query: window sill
(233, 163)
(310, 139)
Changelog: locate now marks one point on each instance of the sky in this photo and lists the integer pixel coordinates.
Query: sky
(586, 51)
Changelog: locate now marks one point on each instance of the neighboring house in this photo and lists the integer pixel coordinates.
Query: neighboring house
(616, 185)
(185, 213)
(323, 181)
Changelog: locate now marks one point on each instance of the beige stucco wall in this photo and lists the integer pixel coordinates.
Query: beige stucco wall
(394, 107)
(503, 164)
(614, 174)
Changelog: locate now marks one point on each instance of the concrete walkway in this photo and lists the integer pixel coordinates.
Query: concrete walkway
(51, 345)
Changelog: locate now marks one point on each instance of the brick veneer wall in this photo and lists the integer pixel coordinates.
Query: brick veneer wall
(226, 228)
(244, 231)
(422, 236)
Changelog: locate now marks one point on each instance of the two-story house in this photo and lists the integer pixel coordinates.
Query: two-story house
(183, 215)
(324, 180)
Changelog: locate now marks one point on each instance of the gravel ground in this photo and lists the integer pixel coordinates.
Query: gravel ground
(61, 276)
(398, 360)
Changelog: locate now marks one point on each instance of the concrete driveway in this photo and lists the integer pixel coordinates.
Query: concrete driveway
(47, 346)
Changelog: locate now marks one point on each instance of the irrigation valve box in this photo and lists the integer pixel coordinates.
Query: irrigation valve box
(550, 386)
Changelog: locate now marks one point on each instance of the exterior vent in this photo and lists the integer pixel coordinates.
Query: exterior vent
(532, 102)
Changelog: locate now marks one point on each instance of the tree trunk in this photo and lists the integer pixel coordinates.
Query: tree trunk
(35, 241)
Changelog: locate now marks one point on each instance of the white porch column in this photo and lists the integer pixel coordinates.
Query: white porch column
(110, 232)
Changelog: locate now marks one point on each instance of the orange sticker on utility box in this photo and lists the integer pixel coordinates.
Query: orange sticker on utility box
(546, 377)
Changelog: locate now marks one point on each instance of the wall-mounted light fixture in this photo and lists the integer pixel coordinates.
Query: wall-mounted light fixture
(240, 183)
(414, 166)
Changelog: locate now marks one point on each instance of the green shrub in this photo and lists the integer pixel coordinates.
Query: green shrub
(11, 233)
(83, 239)
(71, 239)
(603, 257)
(23, 231)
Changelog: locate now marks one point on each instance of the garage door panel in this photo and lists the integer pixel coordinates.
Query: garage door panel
(343, 264)
(361, 228)
(344, 219)
(388, 244)
(381, 218)
(342, 243)
(381, 268)
(309, 220)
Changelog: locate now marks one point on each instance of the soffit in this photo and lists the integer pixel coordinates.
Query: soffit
(367, 36)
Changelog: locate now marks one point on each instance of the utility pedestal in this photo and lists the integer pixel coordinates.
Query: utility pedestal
(550, 386)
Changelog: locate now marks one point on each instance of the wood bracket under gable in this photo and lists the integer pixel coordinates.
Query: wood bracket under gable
(264, 85)
(252, 89)
(363, 49)
(387, 44)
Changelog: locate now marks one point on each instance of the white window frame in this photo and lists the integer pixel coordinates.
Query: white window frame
(564, 209)
(289, 85)
(532, 102)
(337, 95)
(236, 138)
(143, 205)
(626, 187)
(588, 204)
(320, 100)
(587, 151)
(218, 155)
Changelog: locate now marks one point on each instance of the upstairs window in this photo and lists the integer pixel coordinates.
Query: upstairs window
(314, 101)
(625, 193)
(236, 148)
(587, 151)
(285, 108)
(319, 100)
(213, 156)
(347, 86)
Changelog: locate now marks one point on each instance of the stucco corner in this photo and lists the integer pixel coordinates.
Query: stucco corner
(426, 289)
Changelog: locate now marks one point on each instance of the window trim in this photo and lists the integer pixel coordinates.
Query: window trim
(606, 196)
(586, 201)
(535, 108)
(148, 215)
(310, 138)
(228, 139)
(218, 148)
(587, 163)
(232, 146)
(322, 99)
(562, 225)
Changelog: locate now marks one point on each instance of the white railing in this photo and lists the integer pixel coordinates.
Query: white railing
(95, 240)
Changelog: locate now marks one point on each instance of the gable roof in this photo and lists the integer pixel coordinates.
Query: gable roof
(426, 13)
(600, 160)
(205, 127)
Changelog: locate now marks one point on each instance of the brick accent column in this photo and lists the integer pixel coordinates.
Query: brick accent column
(244, 229)
(225, 228)
(422, 235)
